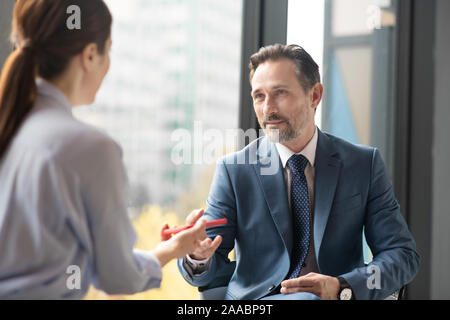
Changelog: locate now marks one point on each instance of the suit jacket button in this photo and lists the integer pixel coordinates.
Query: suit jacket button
(271, 288)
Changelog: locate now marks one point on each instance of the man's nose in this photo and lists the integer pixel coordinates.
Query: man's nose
(269, 105)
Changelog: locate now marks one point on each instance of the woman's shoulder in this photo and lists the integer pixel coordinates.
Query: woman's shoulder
(65, 138)
(82, 140)
(87, 152)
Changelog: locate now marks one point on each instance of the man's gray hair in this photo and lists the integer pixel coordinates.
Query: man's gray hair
(306, 68)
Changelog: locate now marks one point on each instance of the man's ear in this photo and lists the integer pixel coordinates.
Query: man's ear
(316, 93)
(88, 57)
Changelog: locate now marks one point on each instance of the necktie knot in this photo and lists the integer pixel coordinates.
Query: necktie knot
(297, 163)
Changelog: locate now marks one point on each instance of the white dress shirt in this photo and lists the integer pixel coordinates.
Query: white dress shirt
(197, 267)
(62, 210)
(309, 152)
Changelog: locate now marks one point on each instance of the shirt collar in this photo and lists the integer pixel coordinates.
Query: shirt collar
(45, 88)
(309, 151)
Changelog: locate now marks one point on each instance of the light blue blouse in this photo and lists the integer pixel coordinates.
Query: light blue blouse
(62, 210)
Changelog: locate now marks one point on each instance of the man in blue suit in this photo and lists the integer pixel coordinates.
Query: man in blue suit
(297, 202)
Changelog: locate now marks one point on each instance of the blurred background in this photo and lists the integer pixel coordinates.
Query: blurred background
(182, 65)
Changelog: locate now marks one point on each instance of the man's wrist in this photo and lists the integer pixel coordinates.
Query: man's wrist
(345, 290)
(195, 258)
(336, 288)
(196, 267)
(196, 261)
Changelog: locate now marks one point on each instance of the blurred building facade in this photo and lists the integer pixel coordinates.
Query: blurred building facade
(174, 64)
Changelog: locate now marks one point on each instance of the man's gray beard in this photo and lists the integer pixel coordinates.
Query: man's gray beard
(277, 136)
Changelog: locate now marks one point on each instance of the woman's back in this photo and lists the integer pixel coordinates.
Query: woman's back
(45, 174)
(63, 217)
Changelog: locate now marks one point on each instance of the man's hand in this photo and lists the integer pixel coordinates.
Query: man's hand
(325, 287)
(207, 247)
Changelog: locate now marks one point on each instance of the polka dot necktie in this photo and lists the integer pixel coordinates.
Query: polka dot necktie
(300, 213)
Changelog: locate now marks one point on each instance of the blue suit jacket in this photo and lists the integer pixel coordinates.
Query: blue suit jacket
(352, 193)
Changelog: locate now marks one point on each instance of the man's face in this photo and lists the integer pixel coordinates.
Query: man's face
(281, 104)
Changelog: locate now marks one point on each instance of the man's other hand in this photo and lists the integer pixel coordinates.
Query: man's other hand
(325, 287)
(208, 246)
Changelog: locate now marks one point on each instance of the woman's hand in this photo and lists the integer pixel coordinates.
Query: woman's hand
(184, 242)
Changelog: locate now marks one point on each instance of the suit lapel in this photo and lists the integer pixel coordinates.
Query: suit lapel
(269, 170)
(327, 169)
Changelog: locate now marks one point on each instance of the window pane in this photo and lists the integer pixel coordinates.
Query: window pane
(351, 104)
(345, 21)
(359, 73)
(305, 28)
(174, 75)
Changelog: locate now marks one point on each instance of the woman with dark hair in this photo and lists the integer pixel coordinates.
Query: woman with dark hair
(62, 206)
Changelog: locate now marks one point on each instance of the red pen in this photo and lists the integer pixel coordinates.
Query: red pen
(209, 224)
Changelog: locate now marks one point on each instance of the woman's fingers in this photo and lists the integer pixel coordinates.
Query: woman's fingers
(194, 216)
(199, 229)
(163, 236)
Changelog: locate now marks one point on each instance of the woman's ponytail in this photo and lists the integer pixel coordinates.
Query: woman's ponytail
(17, 93)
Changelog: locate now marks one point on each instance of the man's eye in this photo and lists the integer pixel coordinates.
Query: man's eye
(259, 96)
(281, 91)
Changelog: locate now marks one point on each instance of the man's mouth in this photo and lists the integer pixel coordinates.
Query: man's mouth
(273, 123)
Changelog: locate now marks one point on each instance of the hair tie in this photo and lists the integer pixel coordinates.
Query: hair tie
(28, 46)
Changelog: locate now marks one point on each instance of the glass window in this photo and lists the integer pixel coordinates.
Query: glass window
(359, 74)
(344, 20)
(305, 28)
(172, 86)
(355, 42)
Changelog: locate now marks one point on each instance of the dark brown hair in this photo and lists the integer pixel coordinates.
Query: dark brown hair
(306, 68)
(44, 46)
